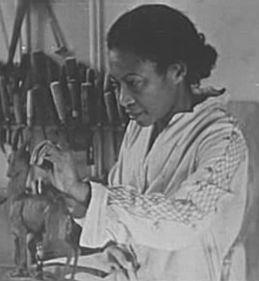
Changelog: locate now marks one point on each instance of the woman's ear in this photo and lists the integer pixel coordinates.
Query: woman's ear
(177, 72)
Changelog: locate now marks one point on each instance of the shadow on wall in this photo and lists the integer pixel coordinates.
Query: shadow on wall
(247, 114)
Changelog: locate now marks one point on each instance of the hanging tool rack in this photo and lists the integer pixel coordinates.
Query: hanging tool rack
(56, 97)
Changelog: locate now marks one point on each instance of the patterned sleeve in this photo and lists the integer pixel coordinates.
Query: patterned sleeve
(200, 198)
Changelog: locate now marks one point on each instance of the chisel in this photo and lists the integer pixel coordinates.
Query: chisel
(88, 98)
(71, 68)
(73, 85)
(29, 107)
(85, 102)
(90, 156)
(39, 67)
(4, 99)
(110, 101)
(17, 107)
(98, 150)
(92, 95)
(74, 91)
(59, 102)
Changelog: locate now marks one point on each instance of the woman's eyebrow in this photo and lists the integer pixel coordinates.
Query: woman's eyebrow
(125, 77)
(132, 75)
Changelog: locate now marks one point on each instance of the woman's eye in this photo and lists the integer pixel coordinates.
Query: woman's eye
(134, 84)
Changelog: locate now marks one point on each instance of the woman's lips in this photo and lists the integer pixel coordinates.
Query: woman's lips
(133, 115)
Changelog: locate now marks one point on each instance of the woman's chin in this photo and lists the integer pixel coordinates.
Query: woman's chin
(142, 119)
(143, 122)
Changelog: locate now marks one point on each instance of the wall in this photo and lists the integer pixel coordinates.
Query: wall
(72, 17)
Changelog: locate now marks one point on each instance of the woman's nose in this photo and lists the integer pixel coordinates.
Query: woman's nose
(125, 97)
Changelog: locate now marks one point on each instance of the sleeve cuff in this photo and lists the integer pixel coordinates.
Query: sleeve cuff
(94, 223)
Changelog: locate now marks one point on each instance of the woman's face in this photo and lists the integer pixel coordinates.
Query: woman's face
(146, 95)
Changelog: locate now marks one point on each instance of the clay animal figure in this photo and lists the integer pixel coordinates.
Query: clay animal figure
(42, 216)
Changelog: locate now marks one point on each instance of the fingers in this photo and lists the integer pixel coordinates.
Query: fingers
(44, 150)
(117, 256)
(135, 262)
(49, 153)
(35, 152)
(122, 259)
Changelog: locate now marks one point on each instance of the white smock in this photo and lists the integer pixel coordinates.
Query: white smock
(180, 205)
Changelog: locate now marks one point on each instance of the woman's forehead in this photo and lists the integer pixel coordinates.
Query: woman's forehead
(121, 63)
(122, 59)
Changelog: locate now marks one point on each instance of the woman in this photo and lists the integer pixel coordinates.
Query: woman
(176, 197)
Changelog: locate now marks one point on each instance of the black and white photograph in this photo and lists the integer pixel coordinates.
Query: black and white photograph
(129, 140)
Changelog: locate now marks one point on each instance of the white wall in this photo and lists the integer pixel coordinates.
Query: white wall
(72, 16)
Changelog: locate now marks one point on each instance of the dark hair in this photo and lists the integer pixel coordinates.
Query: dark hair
(163, 35)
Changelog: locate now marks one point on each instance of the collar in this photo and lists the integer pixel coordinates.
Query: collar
(201, 97)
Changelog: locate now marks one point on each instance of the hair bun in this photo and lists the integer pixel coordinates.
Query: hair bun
(207, 61)
(164, 35)
(204, 61)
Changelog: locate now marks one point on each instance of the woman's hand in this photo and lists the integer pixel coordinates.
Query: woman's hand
(123, 259)
(60, 166)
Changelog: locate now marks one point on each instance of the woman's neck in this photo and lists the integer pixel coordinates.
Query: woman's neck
(185, 103)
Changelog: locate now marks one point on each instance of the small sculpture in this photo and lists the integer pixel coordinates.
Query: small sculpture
(39, 210)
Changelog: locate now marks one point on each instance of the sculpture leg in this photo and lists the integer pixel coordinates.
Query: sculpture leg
(39, 261)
